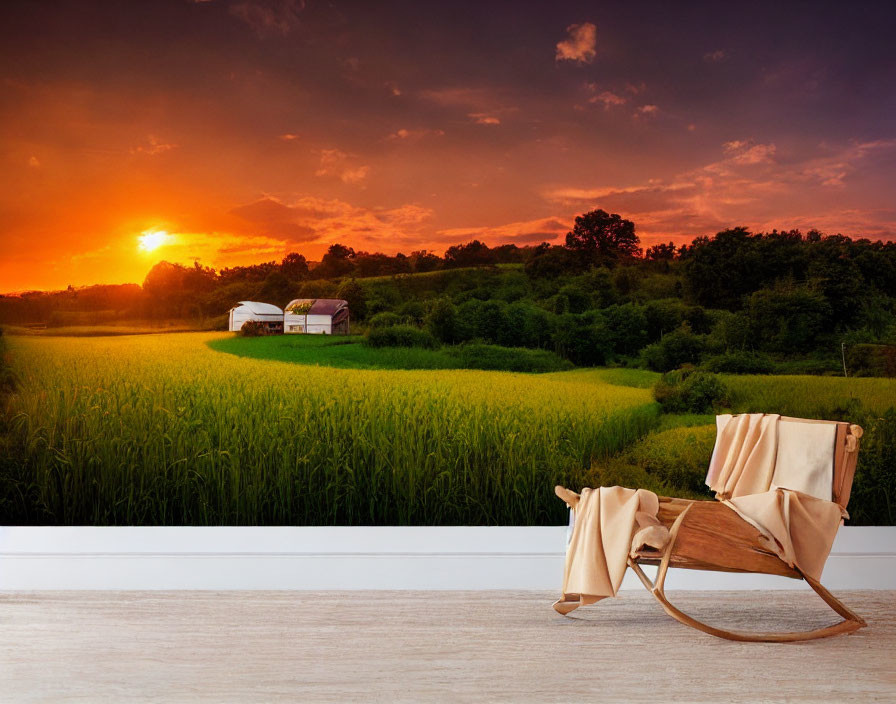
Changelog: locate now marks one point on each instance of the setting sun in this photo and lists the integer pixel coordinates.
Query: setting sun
(150, 241)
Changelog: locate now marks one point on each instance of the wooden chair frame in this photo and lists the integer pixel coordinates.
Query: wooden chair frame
(708, 535)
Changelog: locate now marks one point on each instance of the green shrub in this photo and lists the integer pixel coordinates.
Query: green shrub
(627, 325)
(873, 498)
(413, 312)
(401, 336)
(386, 319)
(788, 318)
(739, 363)
(679, 347)
(582, 341)
(513, 359)
(663, 316)
(689, 391)
(871, 360)
(671, 463)
(352, 292)
(442, 321)
(678, 457)
(253, 328)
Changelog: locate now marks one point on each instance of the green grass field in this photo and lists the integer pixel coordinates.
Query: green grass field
(349, 352)
(810, 396)
(169, 429)
(161, 429)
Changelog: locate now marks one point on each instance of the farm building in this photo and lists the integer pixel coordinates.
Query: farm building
(327, 316)
(270, 315)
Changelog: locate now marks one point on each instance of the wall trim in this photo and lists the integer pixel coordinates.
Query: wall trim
(349, 558)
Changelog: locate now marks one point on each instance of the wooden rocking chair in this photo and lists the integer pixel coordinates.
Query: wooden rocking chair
(708, 535)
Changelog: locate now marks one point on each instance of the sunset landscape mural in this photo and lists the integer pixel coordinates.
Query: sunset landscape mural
(248, 129)
(348, 347)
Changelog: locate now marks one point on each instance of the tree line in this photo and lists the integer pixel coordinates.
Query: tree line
(755, 298)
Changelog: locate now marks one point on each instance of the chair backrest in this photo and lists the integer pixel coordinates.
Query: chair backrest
(840, 442)
(815, 457)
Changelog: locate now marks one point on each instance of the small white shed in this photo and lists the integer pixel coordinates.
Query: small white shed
(324, 316)
(266, 313)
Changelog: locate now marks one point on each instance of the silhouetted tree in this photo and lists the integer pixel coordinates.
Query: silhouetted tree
(294, 266)
(255, 272)
(423, 260)
(473, 253)
(602, 238)
(660, 252)
(336, 262)
(175, 290)
(379, 264)
(277, 289)
(550, 261)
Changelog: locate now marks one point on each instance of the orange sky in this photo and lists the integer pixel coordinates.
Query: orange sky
(251, 128)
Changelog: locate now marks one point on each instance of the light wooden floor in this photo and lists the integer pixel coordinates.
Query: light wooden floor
(432, 646)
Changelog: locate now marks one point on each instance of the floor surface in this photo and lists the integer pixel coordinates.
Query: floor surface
(432, 646)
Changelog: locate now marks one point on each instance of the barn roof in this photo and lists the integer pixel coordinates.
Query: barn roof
(320, 306)
(261, 308)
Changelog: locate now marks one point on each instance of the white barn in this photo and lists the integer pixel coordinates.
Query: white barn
(323, 316)
(266, 313)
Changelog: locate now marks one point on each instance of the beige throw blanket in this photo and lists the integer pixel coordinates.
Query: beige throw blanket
(798, 527)
(743, 460)
(603, 536)
(611, 523)
(746, 474)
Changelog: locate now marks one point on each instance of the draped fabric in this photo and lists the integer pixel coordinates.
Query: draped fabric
(610, 523)
(767, 481)
(743, 461)
(799, 528)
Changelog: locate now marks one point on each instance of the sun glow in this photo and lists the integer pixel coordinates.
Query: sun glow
(152, 239)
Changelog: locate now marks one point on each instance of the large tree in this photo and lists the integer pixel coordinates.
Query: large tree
(602, 238)
(338, 261)
(177, 291)
(294, 266)
(473, 253)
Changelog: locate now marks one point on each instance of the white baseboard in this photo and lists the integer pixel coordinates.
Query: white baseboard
(349, 558)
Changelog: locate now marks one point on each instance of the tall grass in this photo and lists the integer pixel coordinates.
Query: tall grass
(349, 353)
(831, 398)
(162, 430)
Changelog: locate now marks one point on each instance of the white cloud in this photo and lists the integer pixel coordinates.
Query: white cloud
(746, 186)
(647, 111)
(607, 99)
(153, 146)
(309, 218)
(355, 175)
(482, 118)
(522, 233)
(407, 135)
(747, 152)
(269, 16)
(581, 44)
(336, 163)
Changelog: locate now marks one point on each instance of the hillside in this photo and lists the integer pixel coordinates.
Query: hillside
(779, 302)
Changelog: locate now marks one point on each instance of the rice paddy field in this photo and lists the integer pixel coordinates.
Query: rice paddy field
(161, 429)
(169, 429)
(349, 352)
